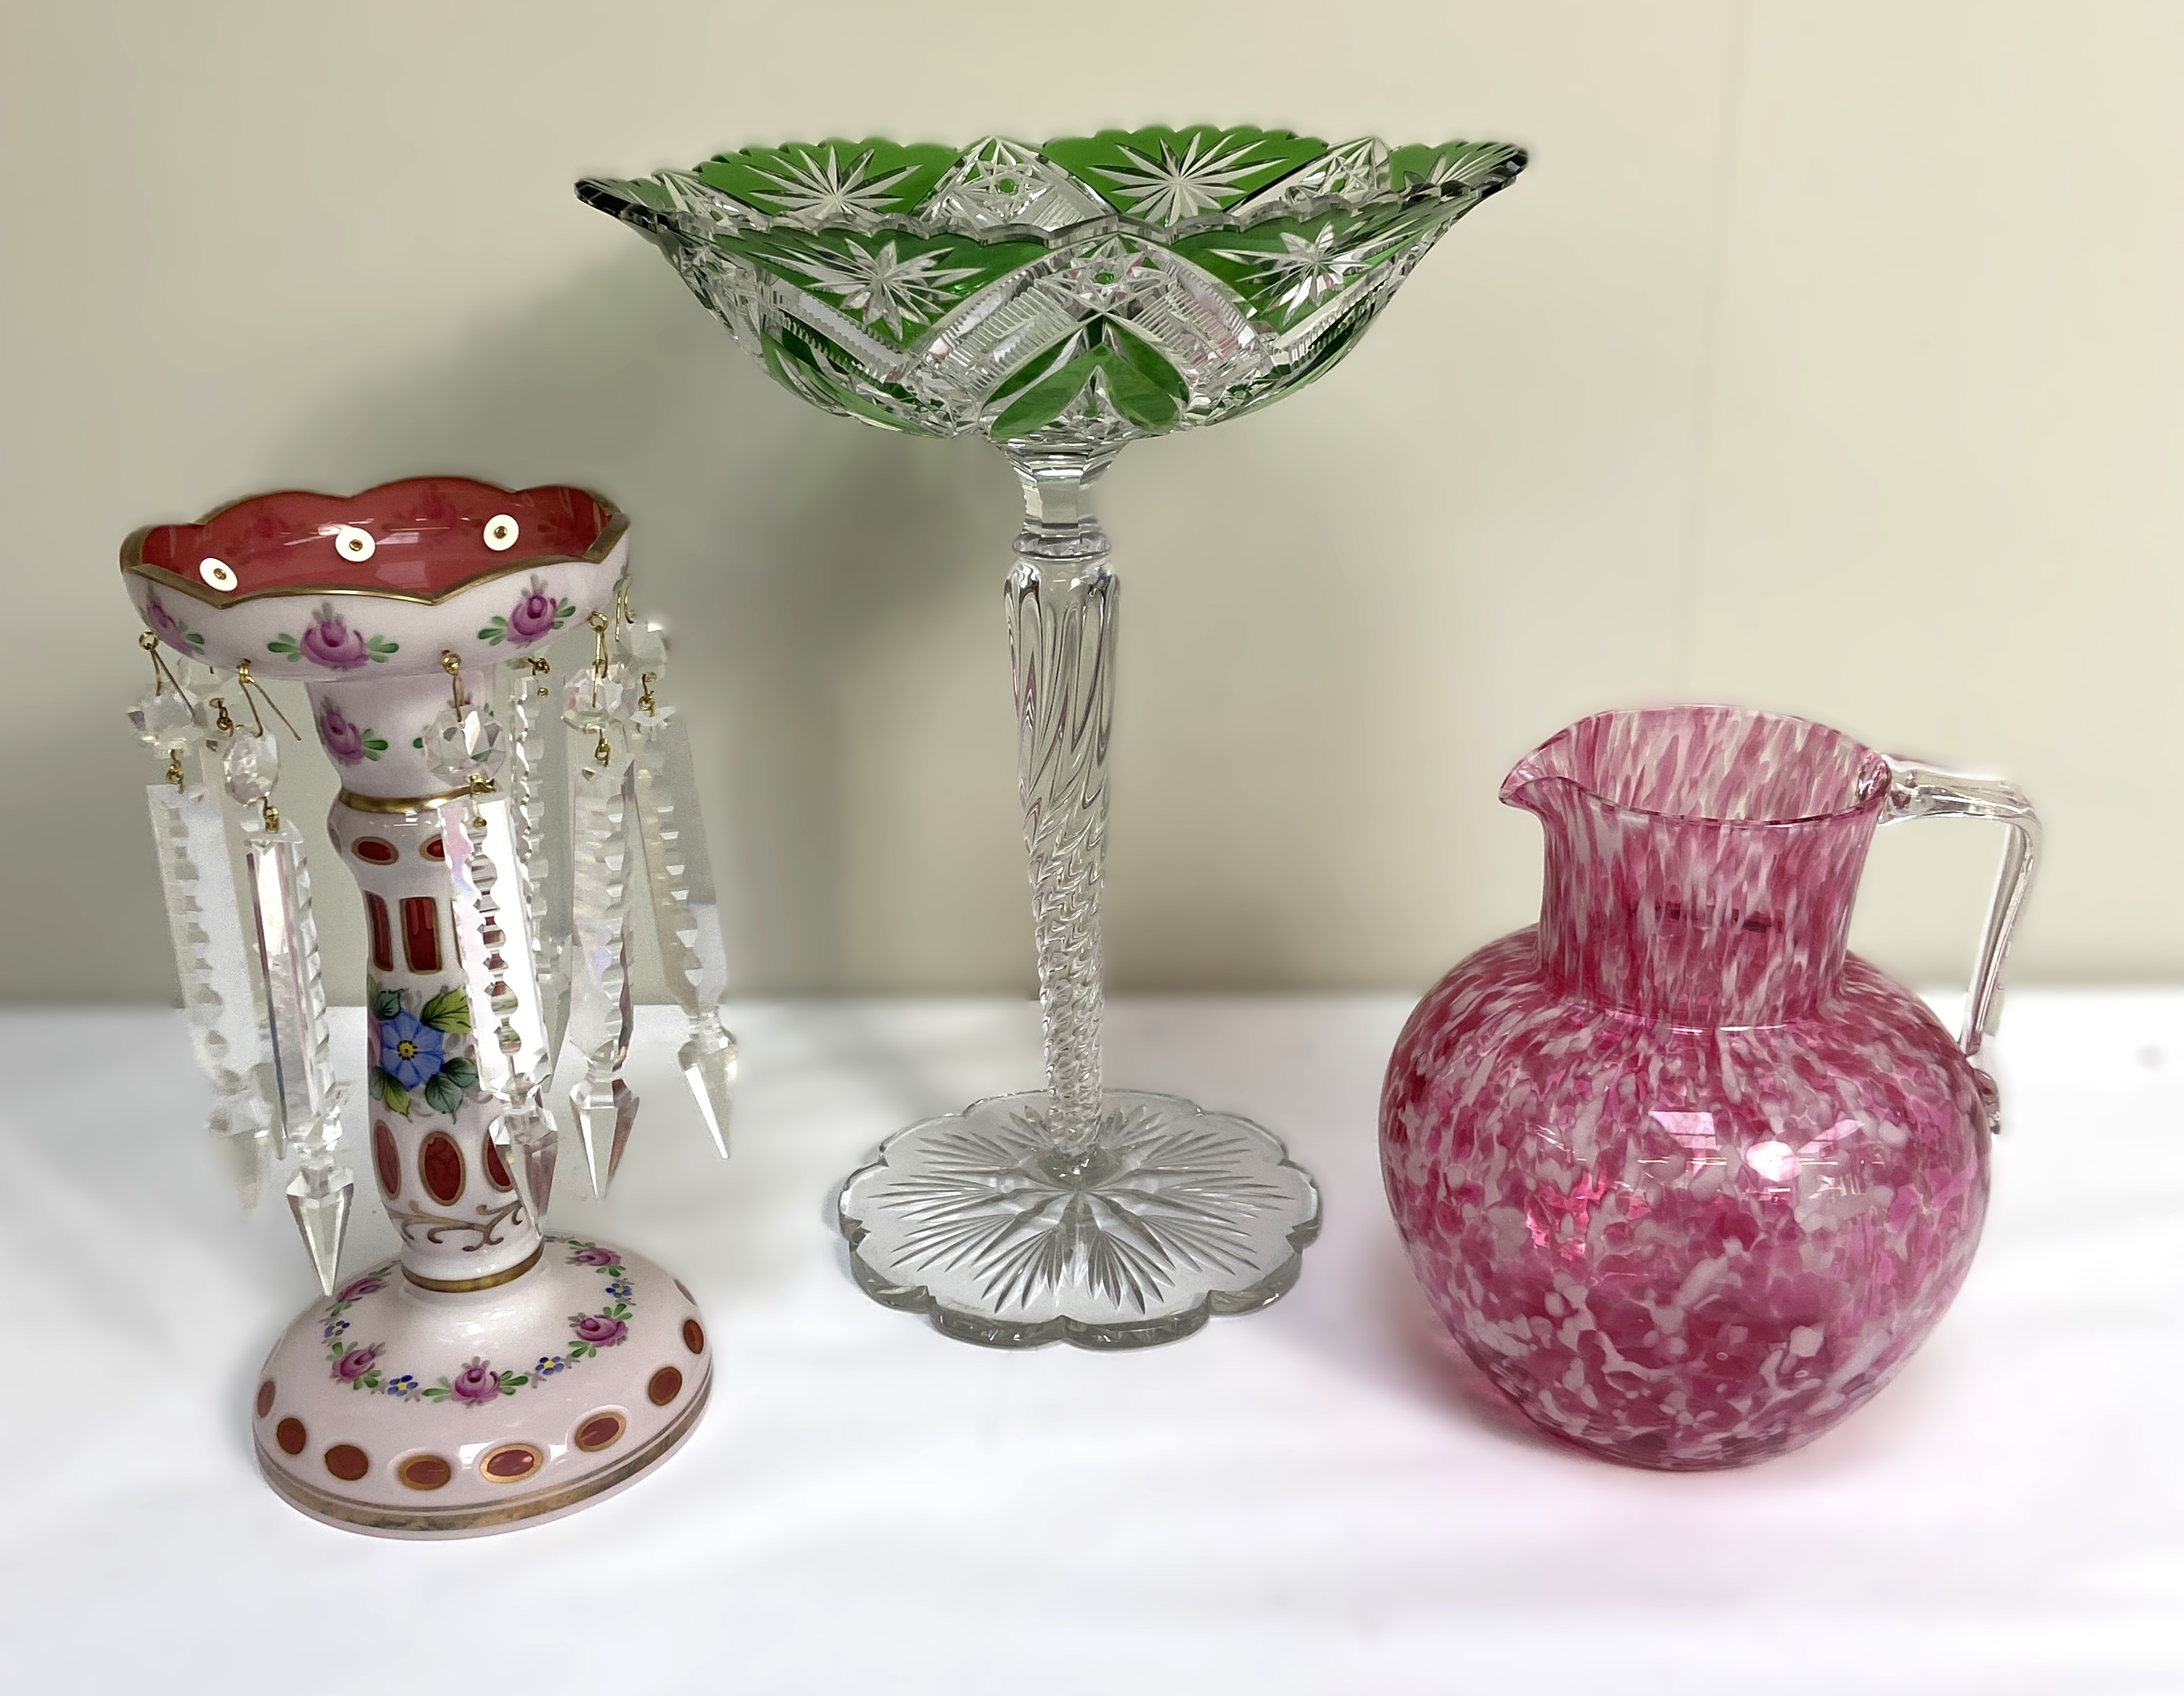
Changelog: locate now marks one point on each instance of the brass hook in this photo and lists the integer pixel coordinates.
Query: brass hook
(253, 692)
(163, 678)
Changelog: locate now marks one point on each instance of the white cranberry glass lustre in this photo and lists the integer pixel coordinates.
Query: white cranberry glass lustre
(1061, 300)
(494, 1372)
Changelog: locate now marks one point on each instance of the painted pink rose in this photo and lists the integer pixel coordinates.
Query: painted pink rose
(164, 624)
(355, 1364)
(475, 1384)
(356, 1289)
(328, 641)
(344, 745)
(598, 1330)
(593, 1257)
(533, 616)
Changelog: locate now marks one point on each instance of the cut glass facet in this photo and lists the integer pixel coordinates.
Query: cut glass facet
(1061, 301)
(529, 1144)
(319, 1195)
(709, 1060)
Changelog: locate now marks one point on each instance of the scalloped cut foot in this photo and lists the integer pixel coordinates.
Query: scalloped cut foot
(1176, 1214)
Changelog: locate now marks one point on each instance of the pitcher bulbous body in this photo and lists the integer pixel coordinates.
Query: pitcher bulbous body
(1687, 1181)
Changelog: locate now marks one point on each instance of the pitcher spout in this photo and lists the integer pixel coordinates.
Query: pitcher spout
(1701, 861)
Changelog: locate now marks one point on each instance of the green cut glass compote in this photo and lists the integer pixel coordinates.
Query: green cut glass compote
(1061, 301)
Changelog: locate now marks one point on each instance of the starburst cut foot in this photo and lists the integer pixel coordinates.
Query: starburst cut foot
(1174, 1216)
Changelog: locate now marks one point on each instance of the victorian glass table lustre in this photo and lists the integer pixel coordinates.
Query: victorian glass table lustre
(1061, 301)
(494, 1372)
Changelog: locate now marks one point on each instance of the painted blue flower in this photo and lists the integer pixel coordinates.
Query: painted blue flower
(333, 1328)
(620, 1292)
(405, 1386)
(408, 1049)
(549, 1365)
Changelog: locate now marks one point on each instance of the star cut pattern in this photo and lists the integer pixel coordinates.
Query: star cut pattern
(1307, 269)
(1167, 190)
(1161, 1200)
(879, 285)
(816, 191)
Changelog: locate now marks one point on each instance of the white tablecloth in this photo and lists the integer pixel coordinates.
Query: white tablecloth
(1317, 1498)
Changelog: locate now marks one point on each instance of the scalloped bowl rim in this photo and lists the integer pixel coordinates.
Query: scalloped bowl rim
(602, 193)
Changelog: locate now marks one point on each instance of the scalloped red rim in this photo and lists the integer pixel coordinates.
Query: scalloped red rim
(429, 538)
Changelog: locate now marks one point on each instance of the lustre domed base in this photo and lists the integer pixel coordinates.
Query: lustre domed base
(1174, 1215)
(405, 1412)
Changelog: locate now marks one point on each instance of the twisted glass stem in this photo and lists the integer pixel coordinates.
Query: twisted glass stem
(1061, 601)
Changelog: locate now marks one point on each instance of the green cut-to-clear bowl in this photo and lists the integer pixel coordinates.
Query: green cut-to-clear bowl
(1084, 292)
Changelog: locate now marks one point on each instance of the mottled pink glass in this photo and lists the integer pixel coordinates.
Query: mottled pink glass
(1688, 1181)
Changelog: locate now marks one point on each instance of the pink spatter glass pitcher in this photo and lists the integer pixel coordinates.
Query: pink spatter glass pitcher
(1688, 1181)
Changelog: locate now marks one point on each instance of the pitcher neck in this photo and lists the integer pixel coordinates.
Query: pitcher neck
(1697, 922)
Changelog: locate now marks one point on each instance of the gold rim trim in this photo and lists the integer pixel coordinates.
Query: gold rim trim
(491, 1281)
(133, 563)
(396, 803)
(324, 1505)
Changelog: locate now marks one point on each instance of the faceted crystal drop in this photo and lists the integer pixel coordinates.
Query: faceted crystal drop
(709, 1061)
(163, 719)
(459, 744)
(319, 1195)
(250, 765)
(641, 651)
(587, 701)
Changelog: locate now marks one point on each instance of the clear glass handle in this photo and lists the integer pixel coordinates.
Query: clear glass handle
(1918, 791)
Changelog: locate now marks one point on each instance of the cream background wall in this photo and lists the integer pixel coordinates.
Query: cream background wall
(1828, 357)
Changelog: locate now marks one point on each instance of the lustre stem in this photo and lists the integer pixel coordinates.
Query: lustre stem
(1061, 601)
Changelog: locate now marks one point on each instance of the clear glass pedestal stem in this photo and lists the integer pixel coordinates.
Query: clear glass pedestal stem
(1061, 601)
(1111, 1219)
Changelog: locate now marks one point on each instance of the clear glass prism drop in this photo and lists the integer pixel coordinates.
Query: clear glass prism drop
(319, 1195)
(603, 855)
(307, 1092)
(529, 1144)
(492, 934)
(709, 1060)
(605, 1115)
(222, 993)
(678, 869)
(461, 745)
(536, 782)
(686, 914)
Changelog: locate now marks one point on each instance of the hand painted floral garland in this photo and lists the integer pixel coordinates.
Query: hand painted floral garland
(475, 1383)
